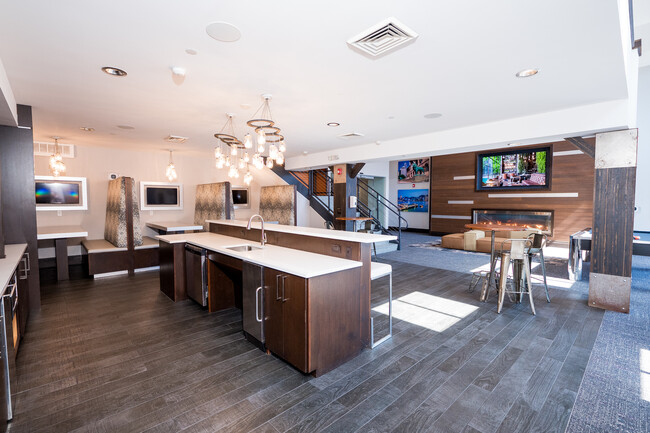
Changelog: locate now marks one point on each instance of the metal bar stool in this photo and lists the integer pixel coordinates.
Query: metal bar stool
(379, 270)
(520, 265)
(536, 248)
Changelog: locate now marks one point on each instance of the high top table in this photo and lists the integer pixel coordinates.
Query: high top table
(493, 228)
(61, 234)
(164, 228)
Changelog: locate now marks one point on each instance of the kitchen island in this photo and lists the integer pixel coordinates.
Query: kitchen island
(315, 286)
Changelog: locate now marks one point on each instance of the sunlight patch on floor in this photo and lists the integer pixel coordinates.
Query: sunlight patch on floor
(644, 356)
(429, 311)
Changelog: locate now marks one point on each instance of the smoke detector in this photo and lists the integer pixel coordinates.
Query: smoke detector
(383, 37)
(175, 139)
(350, 135)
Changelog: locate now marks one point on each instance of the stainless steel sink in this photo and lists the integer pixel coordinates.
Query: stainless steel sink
(244, 248)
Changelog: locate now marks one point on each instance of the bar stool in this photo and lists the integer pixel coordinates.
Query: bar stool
(519, 260)
(379, 270)
(536, 248)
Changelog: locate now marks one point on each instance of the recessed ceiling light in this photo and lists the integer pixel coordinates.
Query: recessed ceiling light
(191, 52)
(87, 129)
(514, 144)
(333, 124)
(116, 72)
(527, 73)
(222, 31)
(391, 117)
(432, 115)
(125, 127)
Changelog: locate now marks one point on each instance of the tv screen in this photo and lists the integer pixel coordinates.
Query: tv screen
(523, 169)
(57, 193)
(162, 196)
(240, 196)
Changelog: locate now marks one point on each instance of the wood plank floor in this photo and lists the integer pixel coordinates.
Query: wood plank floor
(115, 355)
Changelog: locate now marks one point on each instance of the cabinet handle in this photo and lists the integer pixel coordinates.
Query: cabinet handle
(24, 269)
(29, 262)
(258, 314)
(284, 278)
(277, 288)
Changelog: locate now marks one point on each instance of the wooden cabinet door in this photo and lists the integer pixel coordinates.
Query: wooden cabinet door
(273, 312)
(294, 311)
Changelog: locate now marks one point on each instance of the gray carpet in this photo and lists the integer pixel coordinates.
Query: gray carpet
(615, 392)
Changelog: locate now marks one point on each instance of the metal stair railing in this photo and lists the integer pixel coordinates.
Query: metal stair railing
(383, 204)
(321, 185)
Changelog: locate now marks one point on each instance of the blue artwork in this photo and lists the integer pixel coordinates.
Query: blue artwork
(413, 200)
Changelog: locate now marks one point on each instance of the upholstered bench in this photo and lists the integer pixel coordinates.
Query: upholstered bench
(102, 256)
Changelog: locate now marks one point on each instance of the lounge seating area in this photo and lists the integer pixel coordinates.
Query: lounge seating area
(479, 240)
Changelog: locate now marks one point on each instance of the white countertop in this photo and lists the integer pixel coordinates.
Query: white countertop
(60, 232)
(174, 226)
(13, 253)
(363, 238)
(296, 262)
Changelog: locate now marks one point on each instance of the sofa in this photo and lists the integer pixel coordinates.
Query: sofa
(481, 241)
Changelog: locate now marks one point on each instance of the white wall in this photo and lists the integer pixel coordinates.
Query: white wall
(416, 220)
(642, 214)
(95, 163)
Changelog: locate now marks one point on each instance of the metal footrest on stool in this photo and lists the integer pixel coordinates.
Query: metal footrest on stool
(478, 277)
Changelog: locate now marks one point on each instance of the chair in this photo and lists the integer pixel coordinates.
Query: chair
(213, 202)
(278, 203)
(536, 248)
(518, 257)
(379, 270)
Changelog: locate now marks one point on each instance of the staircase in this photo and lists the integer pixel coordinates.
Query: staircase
(317, 187)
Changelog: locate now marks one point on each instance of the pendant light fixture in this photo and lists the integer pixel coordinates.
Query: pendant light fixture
(227, 137)
(170, 172)
(267, 131)
(57, 167)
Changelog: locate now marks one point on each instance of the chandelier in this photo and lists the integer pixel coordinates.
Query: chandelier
(170, 172)
(56, 160)
(234, 154)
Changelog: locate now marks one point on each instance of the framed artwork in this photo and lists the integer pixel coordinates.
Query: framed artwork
(413, 171)
(413, 200)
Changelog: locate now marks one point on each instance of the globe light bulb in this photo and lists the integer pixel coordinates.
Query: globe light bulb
(242, 163)
(248, 141)
(219, 162)
(227, 161)
(217, 152)
(261, 137)
(269, 162)
(273, 151)
(246, 157)
(279, 159)
(233, 150)
(260, 148)
(282, 147)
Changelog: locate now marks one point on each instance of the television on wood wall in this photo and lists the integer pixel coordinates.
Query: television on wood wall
(515, 169)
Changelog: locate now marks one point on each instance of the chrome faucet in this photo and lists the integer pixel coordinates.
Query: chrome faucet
(250, 220)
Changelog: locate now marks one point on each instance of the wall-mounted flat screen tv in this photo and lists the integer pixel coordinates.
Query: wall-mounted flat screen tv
(60, 193)
(161, 196)
(240, 197)
(515, 169)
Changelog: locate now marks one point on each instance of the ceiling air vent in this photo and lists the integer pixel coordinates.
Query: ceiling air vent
(350, 136)
(42, 148)
(176, 139)
(382, 38)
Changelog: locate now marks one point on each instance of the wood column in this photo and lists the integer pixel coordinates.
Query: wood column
(613, 222)
(344, 187)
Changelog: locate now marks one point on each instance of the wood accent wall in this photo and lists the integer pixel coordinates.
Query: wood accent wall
(570, 173)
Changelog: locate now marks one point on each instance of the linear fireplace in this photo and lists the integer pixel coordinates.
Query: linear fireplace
(539, 219)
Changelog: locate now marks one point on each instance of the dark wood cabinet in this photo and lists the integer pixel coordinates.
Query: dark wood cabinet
(285, 321)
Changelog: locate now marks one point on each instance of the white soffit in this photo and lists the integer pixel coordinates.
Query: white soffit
(8, 108)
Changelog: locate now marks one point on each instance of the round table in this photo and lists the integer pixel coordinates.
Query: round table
(492, 228)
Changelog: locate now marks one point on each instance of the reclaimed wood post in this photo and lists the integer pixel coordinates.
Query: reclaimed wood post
(613, 220)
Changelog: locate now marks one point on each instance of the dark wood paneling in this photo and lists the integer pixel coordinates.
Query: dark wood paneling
(19, 209)
(172, 270)
(224, 283)
(294, 324)
(570, 173)
(273, 318)
(613, 223)
(335, 325)
(113, 261)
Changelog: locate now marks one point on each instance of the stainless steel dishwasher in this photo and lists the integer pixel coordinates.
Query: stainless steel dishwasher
(253, 303)
(196, 274)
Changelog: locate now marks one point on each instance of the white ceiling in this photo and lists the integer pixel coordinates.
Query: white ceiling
(462, 65)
